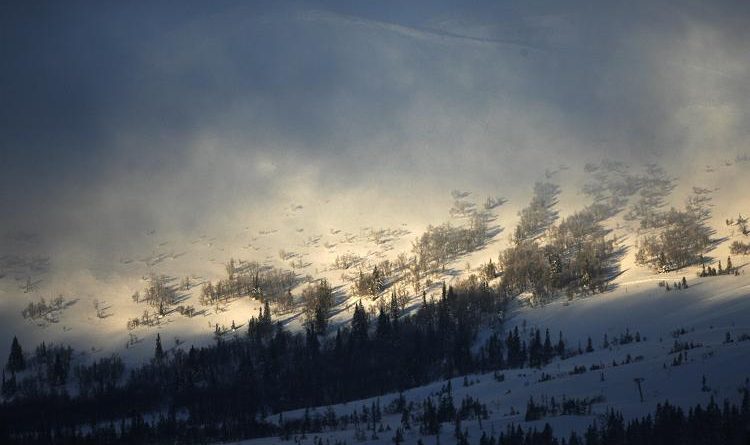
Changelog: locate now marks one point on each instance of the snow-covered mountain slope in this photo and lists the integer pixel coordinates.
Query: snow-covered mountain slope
(303, 237)
(701, 317)
(669, 339)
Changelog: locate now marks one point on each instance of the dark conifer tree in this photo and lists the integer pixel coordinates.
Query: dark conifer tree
(547, 351)
(359, 324)
(561, 346)
(395, 310)
(451, 296)
(158, 352)
(16, 361)
(320, 322)
(383, 328)
(398, 437)
(267, 313)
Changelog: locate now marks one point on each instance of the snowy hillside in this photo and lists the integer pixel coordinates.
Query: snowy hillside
(334, 223)
(702, 317)
(79, 298)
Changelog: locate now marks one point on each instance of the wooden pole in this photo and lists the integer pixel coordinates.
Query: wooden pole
(638, 381)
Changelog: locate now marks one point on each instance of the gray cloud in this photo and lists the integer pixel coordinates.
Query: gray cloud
(117, 120)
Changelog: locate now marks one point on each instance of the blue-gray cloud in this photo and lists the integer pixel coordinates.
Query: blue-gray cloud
(125, 116)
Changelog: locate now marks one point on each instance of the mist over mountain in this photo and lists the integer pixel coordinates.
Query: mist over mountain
(179, 169)
(120, 120)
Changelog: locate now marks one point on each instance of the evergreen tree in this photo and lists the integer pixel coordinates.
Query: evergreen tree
(535, 349)
(16, 361)
(359, 323)
(430, 420)
(58, 371)
(398, 437)
(395, 310)
(547, 351)
(451, 295)
(516, 354)
(266, 313)
(158, 352)
(383, 328)
(405, 418)
(561, 346)
(320, 319)
(444, 324)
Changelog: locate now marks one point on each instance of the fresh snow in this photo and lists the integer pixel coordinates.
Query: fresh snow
(707, 310)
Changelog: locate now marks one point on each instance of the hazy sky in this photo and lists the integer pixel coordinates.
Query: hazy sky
(122, 117)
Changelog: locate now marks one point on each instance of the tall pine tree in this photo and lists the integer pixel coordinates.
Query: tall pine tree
(158, 352)
(16, 361)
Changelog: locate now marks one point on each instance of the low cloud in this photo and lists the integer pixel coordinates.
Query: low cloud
(117, 122)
